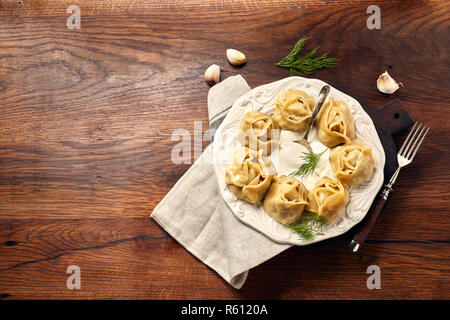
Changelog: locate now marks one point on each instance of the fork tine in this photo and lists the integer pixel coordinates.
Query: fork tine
(408, 138)
(408, 146)
(414, 142)
(418, 145)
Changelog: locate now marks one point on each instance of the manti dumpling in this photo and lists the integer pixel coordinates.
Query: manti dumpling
(328, 198)
(285, 199)
(352, 163)
(249, 175)
(259, 132)
(293, 110)
(335, 124)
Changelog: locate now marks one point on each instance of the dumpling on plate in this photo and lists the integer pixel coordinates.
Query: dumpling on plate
(249, 175)
(293, 110)
(285, 199)
(328, 198)
(352, 163)
(259, 132)
(335, 124)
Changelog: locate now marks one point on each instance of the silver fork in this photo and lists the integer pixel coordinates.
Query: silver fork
(405, 156)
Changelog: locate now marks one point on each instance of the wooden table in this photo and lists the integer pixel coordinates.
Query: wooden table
(86, 118)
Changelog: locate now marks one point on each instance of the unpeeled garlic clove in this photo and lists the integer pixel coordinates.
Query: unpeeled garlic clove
(212, 74)
(235, 57)
(387, 84)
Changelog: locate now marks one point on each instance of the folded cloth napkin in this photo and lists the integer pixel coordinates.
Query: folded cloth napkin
(195, 214)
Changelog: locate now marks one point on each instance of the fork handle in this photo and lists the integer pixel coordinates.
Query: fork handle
(375, 211)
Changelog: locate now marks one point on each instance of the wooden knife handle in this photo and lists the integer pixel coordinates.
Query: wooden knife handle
(366, 226)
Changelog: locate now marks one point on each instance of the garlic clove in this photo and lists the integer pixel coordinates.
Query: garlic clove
(235, 57)
(387, 84)
(212, 74)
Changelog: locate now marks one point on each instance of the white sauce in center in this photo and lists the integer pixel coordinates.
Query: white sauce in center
(289, 157)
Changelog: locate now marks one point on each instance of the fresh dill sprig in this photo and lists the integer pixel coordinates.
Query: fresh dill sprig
(309, 226)
(295, 53)
(311, 160)
(309, 63)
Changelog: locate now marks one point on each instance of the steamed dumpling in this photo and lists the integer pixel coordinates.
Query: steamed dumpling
(285, 199)
(249, 175)
(293, 110)
(352, 163)
(335, 124)
(328, 198)
(259, 132)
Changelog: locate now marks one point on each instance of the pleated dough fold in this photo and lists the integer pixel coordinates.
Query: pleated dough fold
(352, 163)
(249, 175)
(328, 198)
(293, 110)
(335, 124)
(259, 132)
(285, 199)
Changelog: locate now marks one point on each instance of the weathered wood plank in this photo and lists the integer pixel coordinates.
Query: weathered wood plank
(86, 118)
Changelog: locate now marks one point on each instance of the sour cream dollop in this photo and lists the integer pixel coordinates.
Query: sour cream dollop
(289, 157)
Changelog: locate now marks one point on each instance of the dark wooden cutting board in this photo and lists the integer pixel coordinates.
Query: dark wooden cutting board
(389, 120)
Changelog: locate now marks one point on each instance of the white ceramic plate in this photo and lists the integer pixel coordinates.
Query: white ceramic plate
(262, 99)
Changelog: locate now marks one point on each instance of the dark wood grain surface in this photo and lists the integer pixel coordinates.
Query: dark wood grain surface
(86, 118)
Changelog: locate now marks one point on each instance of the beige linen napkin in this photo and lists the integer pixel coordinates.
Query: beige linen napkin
(195, 214)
